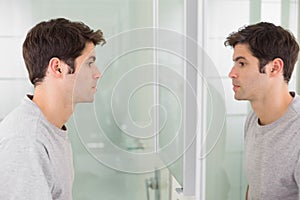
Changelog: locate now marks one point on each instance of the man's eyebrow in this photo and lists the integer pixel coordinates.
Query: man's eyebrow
(238, 58)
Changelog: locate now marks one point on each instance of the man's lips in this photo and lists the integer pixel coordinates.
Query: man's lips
(235, 87)
(94, 88)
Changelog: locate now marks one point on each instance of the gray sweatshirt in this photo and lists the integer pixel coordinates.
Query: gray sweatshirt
(35, 157)
(272, 155)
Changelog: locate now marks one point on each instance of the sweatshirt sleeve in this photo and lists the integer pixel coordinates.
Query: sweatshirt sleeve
(25, 170)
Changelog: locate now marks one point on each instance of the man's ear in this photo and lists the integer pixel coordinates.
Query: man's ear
(276, 67)
(54, 67)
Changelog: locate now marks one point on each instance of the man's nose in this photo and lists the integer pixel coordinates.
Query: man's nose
(232, 74)
(97, 74)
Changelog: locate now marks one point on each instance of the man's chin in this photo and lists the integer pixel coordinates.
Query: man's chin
(87, 100)
(236, 97)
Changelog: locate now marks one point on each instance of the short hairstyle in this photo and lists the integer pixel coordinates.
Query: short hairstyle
(59, 38)
(267, 42)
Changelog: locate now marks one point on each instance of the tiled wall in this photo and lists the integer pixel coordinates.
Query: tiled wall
(15, 22)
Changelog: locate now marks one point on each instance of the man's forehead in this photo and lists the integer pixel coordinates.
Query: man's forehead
(241, 50)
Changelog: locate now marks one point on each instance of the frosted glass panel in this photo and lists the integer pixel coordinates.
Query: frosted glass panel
(170, 69)
(125, 86)
(171, 116)
(235, 133)
(224, 163)
(233, 107)
(171, 15)
(219, 57)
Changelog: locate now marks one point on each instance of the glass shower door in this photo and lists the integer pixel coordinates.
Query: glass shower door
(116, 147)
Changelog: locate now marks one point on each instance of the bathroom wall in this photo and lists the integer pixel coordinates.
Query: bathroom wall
(13, 75)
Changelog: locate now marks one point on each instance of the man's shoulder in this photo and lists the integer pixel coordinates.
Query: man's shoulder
(251, 119)
(22, 121)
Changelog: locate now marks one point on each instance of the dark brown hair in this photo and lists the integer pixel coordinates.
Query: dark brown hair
(59, 38)
(267, 42)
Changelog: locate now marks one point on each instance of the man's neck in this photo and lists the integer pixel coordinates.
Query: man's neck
(272, 107)
(55, 108)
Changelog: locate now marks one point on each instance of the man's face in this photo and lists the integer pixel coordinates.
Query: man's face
(248, 83)
(86, 75)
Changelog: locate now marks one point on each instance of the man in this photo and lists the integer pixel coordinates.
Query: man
(264, 58)
(35, 152)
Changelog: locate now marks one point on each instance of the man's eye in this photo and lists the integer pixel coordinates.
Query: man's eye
(241, 64)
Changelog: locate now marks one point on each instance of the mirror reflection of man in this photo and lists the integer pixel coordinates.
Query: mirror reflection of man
(264, 58)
